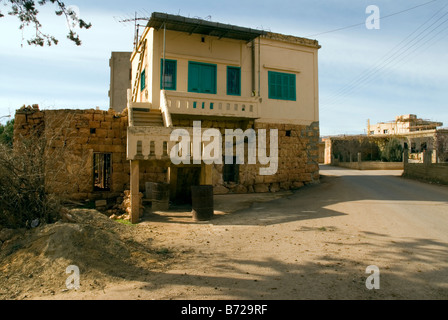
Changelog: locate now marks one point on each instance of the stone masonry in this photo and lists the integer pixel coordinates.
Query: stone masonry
(76, 135)
(298, 158)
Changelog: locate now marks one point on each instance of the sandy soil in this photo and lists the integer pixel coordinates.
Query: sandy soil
(313, 243)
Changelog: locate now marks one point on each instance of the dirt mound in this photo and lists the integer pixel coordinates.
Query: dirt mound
(33, 262)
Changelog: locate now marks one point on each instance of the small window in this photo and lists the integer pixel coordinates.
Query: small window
(168, 79)
(101, 171)
(385, 131)
(230, 172)
(142, 80)
(234, 81)
(288, 133)
(282, 86)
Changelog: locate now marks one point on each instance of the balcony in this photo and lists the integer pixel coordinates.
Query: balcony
(148, 143)
(188, 103)
(149, 130)
(154, 143)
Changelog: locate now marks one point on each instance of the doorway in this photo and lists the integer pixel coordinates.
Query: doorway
(185, 178)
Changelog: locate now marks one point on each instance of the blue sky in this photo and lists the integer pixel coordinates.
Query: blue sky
(364, 74)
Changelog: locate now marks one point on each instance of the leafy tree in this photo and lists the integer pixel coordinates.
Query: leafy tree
(442, 146)
(26, 11)
(6, 133)
(393, 151)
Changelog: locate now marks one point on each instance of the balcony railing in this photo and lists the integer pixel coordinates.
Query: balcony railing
(148, 143)
(210, 105)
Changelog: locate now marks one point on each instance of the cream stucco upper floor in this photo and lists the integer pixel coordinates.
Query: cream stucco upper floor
(272, 78)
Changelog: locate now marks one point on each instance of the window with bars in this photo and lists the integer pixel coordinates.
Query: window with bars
(168, 78)
(234, 81)
(282, 86)
(102, 171)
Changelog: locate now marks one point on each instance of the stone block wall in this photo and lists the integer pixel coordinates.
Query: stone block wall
(72, 137)
(432, 172)
(297, 157)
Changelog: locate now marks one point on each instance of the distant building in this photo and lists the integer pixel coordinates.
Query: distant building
(422, 138)
(403, 124)
(120, 79)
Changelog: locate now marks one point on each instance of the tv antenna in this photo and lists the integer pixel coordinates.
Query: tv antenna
(136, 26)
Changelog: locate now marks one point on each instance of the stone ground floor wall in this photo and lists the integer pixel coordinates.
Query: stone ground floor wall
(298, 153)
(73, 137)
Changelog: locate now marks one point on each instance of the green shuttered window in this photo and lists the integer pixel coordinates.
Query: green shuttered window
(201, 77)
(233, 81)
(282, 86)
(168, 80)
(142, 81)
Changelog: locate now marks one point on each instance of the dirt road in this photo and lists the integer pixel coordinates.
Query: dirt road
(314, 243)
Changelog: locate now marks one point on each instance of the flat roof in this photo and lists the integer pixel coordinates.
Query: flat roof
(199, 26)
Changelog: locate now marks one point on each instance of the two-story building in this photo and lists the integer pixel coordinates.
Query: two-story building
(188, 72)
(226, 77)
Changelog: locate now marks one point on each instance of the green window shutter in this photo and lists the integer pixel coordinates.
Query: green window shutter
(206, 82)
(234, 81)
(142, 80)
(282, 86)
(169, 83)
(292, 87)
(193, 77)
(201, 77)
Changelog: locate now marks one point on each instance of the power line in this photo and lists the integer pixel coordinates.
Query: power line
(363, 23)
(375, 70)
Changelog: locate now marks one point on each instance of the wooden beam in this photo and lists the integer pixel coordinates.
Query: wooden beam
(135, 199)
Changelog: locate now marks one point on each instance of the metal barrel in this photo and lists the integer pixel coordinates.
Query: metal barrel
(202, 202)
(159, 194)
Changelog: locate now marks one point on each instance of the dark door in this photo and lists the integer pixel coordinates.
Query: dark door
(186, 177)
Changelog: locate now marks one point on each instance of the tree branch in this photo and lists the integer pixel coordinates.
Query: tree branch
(26, 12)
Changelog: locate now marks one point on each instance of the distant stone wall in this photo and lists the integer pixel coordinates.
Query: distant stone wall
(434, 172)
(371, 165)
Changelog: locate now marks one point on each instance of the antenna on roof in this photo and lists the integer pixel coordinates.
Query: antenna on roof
(136, 25)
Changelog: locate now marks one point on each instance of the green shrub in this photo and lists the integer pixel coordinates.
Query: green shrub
(6, 133)
(393, 151)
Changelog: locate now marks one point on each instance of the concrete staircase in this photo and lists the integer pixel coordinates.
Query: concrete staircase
(143, 117)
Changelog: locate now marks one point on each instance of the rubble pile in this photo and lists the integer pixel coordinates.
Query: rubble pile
(123, 210)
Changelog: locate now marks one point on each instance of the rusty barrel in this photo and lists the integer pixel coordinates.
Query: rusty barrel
(159, 194)
(202, 202)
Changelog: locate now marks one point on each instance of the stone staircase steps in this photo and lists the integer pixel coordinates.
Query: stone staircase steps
(147, 117)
